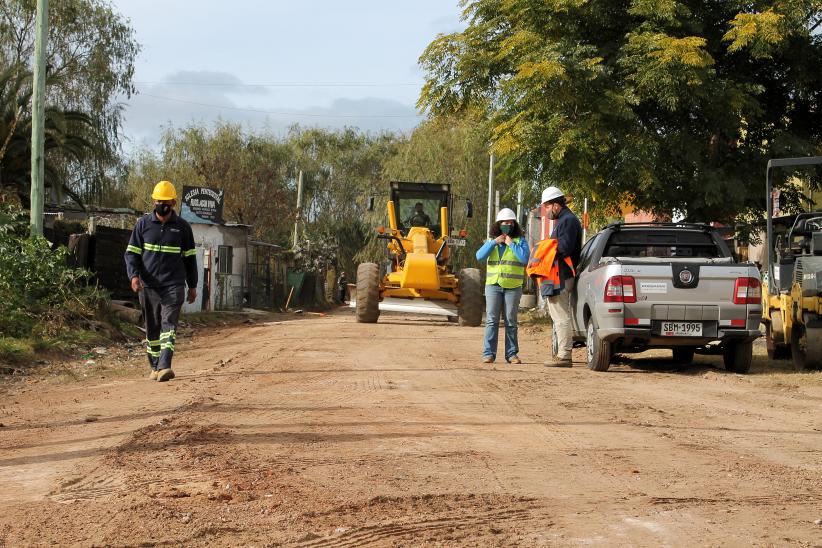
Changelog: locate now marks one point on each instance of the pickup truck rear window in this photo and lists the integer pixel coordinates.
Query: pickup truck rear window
(662, 244)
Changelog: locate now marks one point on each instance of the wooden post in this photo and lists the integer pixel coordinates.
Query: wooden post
(38, 114)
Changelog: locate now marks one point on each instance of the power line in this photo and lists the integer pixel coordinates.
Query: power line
(283, 84)
(260, 111)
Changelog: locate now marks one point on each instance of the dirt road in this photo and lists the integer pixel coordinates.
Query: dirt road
(324, 432)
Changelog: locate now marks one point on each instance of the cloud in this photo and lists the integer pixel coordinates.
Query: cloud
(204, 97)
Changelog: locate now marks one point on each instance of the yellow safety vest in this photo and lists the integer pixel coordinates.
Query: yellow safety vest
(508, 272)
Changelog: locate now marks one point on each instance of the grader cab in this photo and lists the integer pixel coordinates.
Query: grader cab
(417, 277)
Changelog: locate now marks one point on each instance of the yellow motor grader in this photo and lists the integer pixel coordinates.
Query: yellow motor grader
(416, 277)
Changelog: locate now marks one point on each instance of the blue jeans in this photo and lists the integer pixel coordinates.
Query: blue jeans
(495, 297)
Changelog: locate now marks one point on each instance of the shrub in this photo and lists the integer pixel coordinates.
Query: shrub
(39, 293)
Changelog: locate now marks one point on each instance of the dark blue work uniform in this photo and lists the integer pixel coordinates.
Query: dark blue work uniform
(163, 256)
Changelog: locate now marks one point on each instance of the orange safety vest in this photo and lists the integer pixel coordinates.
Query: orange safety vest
(543, 264)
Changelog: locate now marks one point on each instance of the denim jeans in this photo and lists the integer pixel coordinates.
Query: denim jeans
(495, 297)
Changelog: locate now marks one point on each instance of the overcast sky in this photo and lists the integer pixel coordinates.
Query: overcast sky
(269, 64)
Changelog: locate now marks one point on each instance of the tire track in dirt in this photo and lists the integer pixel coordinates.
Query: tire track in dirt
(449, 522)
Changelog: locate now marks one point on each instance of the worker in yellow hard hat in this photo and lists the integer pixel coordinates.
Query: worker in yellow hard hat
(161, 260)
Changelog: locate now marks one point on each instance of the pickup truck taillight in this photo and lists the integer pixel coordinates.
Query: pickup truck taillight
(620, 289)
(747, 291)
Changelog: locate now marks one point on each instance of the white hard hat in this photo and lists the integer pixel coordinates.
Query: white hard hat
(506, 214)
(551, 193)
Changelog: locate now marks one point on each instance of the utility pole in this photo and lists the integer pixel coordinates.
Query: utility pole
(38, 114)
(490, 195)
(298, 218)
(519, 203)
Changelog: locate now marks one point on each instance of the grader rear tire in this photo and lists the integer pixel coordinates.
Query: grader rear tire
(806, 347)
(368, 292)
(470, 305)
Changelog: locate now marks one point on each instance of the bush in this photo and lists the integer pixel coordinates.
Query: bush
(39, 293)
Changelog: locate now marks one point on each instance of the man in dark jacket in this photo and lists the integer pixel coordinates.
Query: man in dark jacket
(160, 261)
(568, 234)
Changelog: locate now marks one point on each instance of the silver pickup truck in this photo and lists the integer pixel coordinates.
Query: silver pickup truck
(664, 285)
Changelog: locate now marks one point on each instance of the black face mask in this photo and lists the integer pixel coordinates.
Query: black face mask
(162, 209)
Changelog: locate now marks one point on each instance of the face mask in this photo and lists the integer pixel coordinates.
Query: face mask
(505, 229)
(162, 209)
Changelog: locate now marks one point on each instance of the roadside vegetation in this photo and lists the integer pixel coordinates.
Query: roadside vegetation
(45, 305)
(659, 105)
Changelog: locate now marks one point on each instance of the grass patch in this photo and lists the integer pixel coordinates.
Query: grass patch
(16, 351)
(534, 317)
(227, 317)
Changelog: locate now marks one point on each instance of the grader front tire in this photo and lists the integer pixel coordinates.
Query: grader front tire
(470, 305)
(368, 292)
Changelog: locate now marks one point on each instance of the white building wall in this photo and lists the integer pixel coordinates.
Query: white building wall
(207, 239)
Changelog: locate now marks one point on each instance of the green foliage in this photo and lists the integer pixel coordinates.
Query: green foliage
(252, 169)
(65, 140)
(675, 106)
(90, 55)
(259, 175)
(39, 293)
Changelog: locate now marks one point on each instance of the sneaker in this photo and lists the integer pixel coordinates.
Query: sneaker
(488, 359)
(558, 362)
(153, 375)
(514, 359)
(164, 375)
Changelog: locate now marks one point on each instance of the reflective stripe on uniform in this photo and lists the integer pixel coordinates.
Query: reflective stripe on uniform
(153, 353)
(162, 248)
(189, 253)
(505, 271)
(134, 249)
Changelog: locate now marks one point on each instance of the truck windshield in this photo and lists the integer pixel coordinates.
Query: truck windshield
(662, 244)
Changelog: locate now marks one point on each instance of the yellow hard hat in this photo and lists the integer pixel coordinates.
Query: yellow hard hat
(164, 190)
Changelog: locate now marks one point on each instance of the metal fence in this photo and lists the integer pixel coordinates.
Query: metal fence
(230, 292)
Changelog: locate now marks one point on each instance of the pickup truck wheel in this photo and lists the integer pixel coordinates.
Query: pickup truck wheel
(684, 355)
(738, 356)
(775, 338)
(598, 351)
(806, 347)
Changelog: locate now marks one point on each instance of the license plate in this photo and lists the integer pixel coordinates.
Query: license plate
(456, 242)
(681, 329)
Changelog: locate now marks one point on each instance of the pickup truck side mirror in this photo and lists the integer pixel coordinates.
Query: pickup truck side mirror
(469, 209)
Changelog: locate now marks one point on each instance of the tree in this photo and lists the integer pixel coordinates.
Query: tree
(341, 168)
(252, 169)
(673, 105)
(65, 138)
(90, 64)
